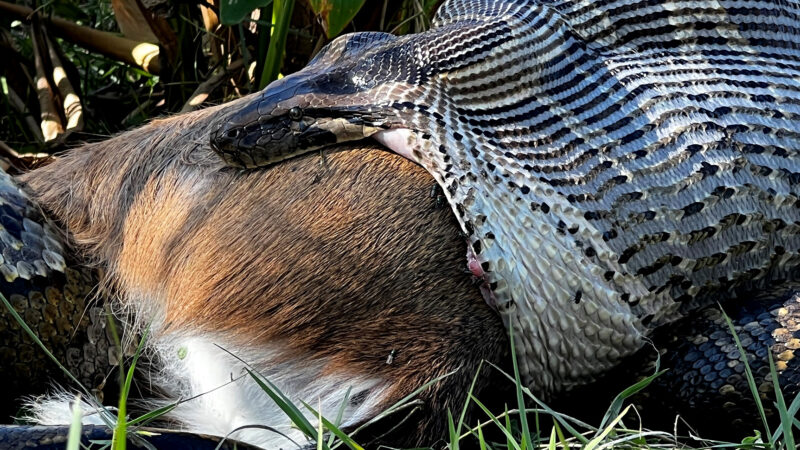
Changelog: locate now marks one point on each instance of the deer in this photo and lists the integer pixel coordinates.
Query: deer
(352, 283)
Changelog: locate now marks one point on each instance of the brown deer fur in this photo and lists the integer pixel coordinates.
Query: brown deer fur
(340, 260)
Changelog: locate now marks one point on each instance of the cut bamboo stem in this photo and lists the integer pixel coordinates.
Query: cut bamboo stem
(73, 110)
(51, 124)
(141, 54)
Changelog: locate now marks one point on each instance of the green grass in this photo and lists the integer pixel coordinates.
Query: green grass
(565, 431)
(74, 438)
(531, 424)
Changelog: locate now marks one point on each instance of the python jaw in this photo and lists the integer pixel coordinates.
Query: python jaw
(261, 140)
(316, 107)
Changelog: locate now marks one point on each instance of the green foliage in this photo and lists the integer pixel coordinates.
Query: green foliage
(325, 424)
(103, 82)
(335, 14)
(614, 410)
(523, 415)
(281, 15)
(201, 61)
(120, 437)
(232, 12)
(786, 417)
(511, 424)
(751, 382)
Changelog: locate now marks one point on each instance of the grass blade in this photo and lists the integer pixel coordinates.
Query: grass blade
(119, 438)
(561, 418)
(74, 437)
(451, 428)
(786, 419)
(481, 439)
(340, 414)
(560, 434)
(334, 429)
(523, 415)
(794, 406)
(38, 342)
(466, 402)
(320, 434)
(751, 381)
(255, 427)
(616, 405)
(105, 412)
(281, 15)
(288, 408)
(402, 402)
(152, 415)
(599, 438)
(509, 437)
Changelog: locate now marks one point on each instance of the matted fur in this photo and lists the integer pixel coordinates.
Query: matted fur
(322, 267)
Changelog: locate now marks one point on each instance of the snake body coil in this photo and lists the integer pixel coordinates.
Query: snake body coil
(53, 294)
(616, 165)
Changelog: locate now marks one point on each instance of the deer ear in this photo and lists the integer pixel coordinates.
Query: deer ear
(352, 44)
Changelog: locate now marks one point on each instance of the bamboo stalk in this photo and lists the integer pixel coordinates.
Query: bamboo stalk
(211, 24)
(163, 32)
(138, 110)
(51, 124)
(4, 148)
(23, 62)
(73, 109)
(131, 21)
(141, 54)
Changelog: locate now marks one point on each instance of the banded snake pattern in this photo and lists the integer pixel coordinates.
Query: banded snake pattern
(615, 164)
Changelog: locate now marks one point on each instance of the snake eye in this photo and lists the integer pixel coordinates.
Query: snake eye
(295, 113)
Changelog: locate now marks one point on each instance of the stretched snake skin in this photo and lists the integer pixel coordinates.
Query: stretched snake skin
(53, 294)
(616, 165)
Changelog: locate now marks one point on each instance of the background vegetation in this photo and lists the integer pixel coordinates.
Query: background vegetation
(80, 70)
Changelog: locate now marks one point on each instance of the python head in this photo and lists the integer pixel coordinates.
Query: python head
(340, 96)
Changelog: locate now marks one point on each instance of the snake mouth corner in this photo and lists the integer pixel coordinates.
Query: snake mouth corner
(399, 140)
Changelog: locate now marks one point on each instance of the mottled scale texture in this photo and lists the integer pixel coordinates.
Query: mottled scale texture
(703, 379)
(707, 373)
(616, 164)
(55, 296)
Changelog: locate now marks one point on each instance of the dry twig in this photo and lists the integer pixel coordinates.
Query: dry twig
(19, 105)
(207, 87)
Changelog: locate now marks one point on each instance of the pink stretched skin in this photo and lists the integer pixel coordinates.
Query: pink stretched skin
(401, 141)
